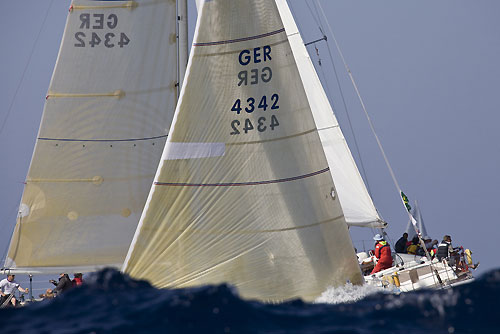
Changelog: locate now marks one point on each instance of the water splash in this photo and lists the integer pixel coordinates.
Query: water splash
(348, 293)
(111, 302)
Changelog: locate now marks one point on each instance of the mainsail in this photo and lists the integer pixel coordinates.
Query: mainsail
(108, 110)
(243, 193)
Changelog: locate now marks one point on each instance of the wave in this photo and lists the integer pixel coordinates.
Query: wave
(111, 302)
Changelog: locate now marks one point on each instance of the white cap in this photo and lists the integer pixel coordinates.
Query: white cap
(378, 237)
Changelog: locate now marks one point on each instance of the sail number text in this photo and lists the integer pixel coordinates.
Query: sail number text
(262, 123)
(255, 75)
(99, 21)
(256, 70)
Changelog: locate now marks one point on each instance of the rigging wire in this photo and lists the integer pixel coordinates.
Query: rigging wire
(25, 68)
(317, 19)
(393, 176)
(351, 128)
(391, 171)
(10, 214)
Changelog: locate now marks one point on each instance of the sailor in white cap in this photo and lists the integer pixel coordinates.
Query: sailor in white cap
(382, 253)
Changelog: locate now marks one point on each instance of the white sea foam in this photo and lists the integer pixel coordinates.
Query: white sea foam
(348, 293)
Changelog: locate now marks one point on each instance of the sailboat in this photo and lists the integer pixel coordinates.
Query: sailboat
(249, 182)
(420, 222)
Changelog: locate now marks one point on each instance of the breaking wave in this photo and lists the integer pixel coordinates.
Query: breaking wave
(110, 302)
(347, 294)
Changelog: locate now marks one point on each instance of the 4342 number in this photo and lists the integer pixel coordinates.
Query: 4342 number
(262, 125)
(251, 104)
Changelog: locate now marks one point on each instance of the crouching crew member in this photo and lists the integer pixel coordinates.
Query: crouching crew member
(382, 253)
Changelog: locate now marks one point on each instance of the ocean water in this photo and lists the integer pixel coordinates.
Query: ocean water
(110, 302)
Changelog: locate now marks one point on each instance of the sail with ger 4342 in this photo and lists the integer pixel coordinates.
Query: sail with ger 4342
(106, 118)
(244, 192)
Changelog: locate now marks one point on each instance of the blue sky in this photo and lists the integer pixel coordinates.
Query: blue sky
(429, 74)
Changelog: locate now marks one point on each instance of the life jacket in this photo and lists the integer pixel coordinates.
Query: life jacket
(412, 249)
(442, 251)
(383, 252)
(77, 281)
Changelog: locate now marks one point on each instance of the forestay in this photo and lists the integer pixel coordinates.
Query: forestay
(243, 193)
(107, 114)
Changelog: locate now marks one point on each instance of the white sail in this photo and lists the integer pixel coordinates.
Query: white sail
(410, 229)
(356, 202)
(108, 110)
(243, 193)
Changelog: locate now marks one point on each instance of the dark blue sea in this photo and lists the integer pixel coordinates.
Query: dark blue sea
(110, 302)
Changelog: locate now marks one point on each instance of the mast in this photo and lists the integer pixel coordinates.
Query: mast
(182, 42)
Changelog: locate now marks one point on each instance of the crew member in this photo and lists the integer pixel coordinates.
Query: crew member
(444, 248)
(446, 251)
(400, 246)
(382, 253)
(78, 279)
(415, 248)
(63, 284)
(7, 288)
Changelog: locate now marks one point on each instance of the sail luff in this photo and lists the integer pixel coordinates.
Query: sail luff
(162, 160)
(357, 204)
(8, 262)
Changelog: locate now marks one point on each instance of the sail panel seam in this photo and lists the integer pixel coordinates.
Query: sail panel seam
(243, 39)
(220, 232)
(233, 52)
(238, 184)
(329, 127)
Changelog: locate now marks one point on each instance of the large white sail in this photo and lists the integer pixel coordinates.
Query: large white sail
(108, 110)
(356, 202)
(243, 193)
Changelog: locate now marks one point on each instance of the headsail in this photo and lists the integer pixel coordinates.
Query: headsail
(108, 110)
(243, 193)
(356, 202)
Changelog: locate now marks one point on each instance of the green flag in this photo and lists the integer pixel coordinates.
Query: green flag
(405, 200)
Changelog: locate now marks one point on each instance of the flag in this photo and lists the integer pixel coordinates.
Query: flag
(405, 201)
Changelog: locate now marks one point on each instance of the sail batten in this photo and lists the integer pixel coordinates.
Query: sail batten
(102, 140)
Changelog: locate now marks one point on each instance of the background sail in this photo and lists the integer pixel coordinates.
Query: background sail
(420, 223)
(243, 193)
(108, 110)
(356, 202)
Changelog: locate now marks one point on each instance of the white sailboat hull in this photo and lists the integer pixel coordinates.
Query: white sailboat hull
(421, 274)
